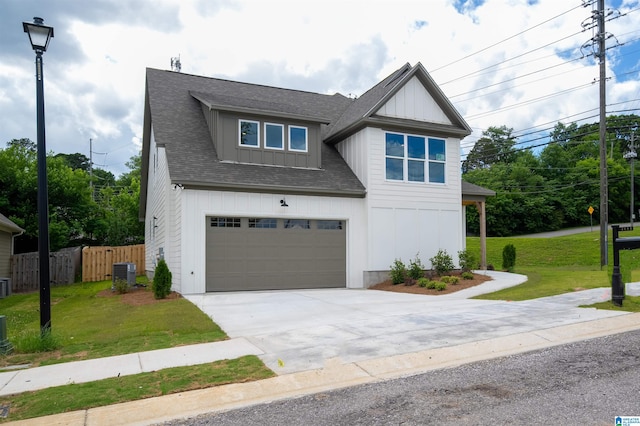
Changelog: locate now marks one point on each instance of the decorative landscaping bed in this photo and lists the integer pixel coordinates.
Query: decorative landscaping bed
(416, 289)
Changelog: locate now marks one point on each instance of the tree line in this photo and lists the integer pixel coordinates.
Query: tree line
(552, 187)
(84, 208)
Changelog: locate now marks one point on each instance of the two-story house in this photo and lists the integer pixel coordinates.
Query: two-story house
(250, 187)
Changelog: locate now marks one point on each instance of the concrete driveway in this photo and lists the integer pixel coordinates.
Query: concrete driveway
(301, 330)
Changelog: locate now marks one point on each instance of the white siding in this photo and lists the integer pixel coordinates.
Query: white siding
(162, 230)
(355, 153)
(404, 219)
(414, 102)
(197, 205)
(411, 218)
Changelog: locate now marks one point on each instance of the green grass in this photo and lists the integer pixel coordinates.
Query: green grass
(82, 396)
(629, 304)
(557, 265)
(87, 324)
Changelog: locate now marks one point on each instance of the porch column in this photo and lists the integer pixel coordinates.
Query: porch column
(480, 205)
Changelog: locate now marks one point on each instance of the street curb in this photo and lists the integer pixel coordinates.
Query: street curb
(334, 375)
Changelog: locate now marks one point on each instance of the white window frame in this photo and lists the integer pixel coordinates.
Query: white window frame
(281, 126)
(405, 159)
(257, 123)
(306, 139)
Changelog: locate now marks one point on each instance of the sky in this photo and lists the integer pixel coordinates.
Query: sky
(525, 64)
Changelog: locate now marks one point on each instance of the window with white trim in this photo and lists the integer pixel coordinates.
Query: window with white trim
(273, 136)
(297, 138)
(249, 132)
(413, 158)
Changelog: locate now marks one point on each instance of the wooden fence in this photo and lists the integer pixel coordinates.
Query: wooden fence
(64, 268)
(70, 265)
(97, 262)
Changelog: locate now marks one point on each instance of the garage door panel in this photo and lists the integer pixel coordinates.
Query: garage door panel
(245, 258)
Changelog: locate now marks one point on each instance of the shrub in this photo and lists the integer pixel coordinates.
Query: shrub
(468, 260)
(121, 286)
(422, 282)
(442, 262)
(432, 284)
(509, 257)
(398, 272)
(467, 275)
(440, 286)
(416, 268)
(449, 279)
(161, 280)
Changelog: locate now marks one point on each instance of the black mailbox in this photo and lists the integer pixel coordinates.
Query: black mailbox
(625, 243)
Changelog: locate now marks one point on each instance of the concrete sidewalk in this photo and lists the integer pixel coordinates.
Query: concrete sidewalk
(317, 340)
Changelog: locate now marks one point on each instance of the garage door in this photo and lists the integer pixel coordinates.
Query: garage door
(274, 253)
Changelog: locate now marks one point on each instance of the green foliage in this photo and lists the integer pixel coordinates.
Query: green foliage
(442, 262)
(467, 260)
(121, 286)
(509, 257)
(398, 271)
(440, 285)
(161, 280)
(467, 275)
(75, 218)
(554, 188)
(450, 279)
(423, 282)
(35, 341)
(416, 268)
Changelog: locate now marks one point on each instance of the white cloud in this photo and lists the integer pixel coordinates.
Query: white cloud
(95, 66)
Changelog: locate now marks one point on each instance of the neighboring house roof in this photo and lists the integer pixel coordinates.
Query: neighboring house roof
(174, 101)
(8, 226)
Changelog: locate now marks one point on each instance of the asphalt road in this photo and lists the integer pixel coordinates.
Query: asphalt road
(585, 383)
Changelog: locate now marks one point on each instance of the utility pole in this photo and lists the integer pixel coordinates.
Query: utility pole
(91, 167)
(631, 156)
(604, 193)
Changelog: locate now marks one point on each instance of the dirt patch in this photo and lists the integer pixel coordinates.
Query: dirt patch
(415, 289)
(138, 296)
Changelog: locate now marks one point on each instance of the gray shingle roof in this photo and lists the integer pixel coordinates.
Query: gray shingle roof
(173, 104)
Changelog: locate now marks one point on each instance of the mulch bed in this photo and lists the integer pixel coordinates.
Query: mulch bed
(138, 296)
(415, 289)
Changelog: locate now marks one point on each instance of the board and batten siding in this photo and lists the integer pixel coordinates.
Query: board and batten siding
(414, 102)
(197, 205)
(406, 218)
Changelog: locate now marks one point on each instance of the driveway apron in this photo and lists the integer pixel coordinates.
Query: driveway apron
(303, 329)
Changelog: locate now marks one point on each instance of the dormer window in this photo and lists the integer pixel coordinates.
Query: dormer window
(249, 133)
(273, 136)
(297, 138)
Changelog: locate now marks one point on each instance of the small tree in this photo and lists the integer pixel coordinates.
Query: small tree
(398, 272)
(416, 268)
(467, 260)
(509, 257)
(161, 280)
(442, 262)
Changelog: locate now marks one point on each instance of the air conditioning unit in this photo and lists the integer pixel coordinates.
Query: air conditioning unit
(124, 271)
(5, 287)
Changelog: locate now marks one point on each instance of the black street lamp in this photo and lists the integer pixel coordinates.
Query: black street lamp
(39, 36)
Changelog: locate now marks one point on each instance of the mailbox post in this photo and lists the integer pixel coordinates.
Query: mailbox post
(626, 243)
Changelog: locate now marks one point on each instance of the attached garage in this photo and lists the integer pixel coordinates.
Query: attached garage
(274, 253)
